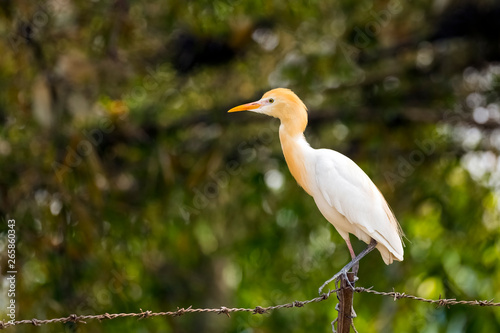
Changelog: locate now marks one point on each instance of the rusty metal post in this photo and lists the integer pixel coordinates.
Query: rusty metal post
(345, 296)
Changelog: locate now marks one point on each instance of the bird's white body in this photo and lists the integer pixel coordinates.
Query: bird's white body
(346, 196)
(343, 192)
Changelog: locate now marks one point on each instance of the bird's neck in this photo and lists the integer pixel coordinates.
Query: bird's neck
(295, 148)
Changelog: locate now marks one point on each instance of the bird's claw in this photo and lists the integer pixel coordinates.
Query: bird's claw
(336, 278)
(333, 278)
(349, 282)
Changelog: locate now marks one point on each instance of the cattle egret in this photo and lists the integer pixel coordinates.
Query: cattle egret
(344, 194)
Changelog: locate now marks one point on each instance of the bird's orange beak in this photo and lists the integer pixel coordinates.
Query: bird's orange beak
(245, 107)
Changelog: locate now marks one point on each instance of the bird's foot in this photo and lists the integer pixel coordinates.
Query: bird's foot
(336, 278)
(333, 278)
(343, 272)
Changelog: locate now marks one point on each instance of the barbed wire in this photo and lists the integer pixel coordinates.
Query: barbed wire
(441, 301)
(257, 310)
(179, 312)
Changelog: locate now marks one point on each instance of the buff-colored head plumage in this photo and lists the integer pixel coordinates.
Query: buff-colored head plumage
(280, 103)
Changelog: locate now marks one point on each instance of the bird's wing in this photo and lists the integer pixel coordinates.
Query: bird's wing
(348, 189)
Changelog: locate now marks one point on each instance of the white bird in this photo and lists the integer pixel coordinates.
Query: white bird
(344, 194)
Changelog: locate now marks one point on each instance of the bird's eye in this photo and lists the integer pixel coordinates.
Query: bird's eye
(271, 100)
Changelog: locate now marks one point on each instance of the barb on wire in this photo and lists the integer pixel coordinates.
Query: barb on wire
(227, 311)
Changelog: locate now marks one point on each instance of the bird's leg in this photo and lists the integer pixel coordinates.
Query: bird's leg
(349, 246)
(353, 262)
(355, 268)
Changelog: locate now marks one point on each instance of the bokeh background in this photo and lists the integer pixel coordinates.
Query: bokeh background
(133, 188)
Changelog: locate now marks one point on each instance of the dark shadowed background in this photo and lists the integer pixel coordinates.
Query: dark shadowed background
(133, 188)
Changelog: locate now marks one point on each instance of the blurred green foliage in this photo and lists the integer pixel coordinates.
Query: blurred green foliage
(132, 188)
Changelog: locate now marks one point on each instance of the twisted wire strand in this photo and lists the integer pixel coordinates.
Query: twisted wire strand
(440, 301)
(227, 311)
